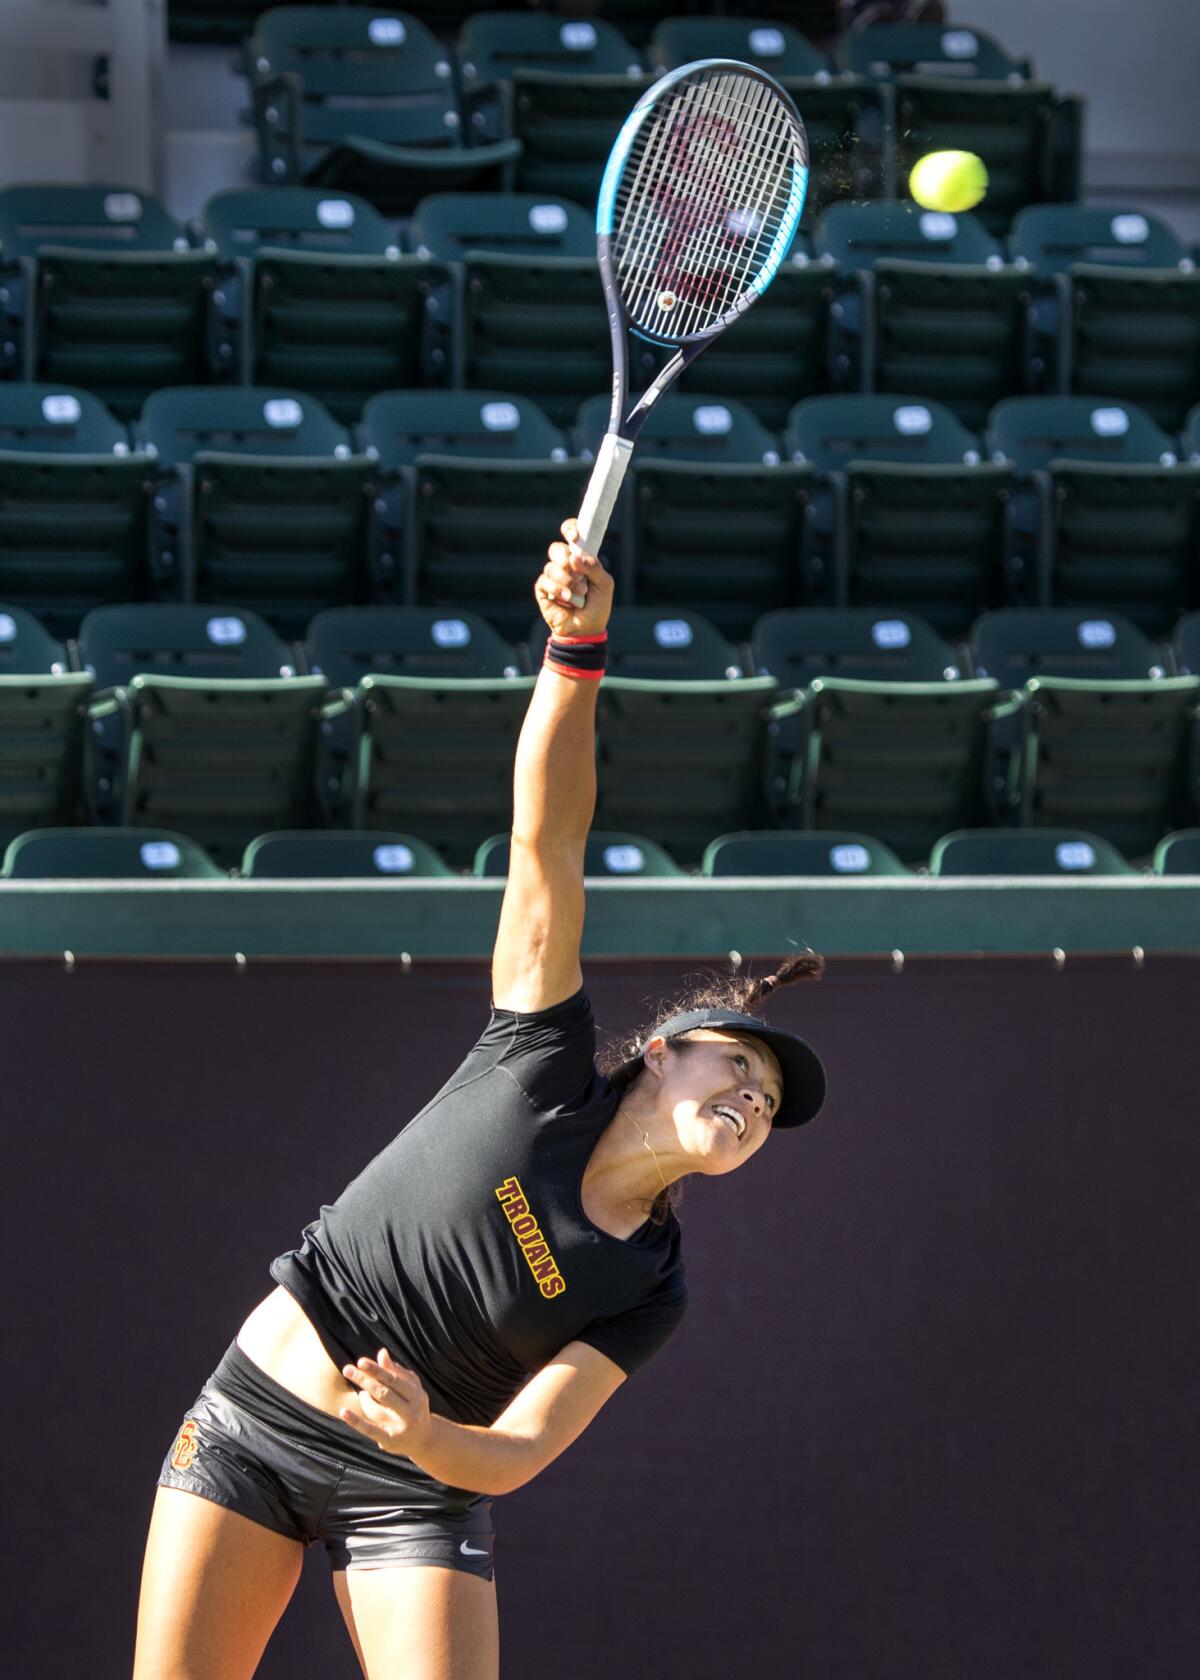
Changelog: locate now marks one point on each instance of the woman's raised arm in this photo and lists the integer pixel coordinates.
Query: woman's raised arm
(536, 960)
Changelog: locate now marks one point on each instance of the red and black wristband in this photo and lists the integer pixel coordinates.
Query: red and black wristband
(578, 656)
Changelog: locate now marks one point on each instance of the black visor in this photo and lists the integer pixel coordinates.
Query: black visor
(803, 1074)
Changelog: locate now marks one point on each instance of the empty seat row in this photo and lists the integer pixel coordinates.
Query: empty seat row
(203, 720)
(259, 498)
(363, 854)
(368, 102)
(313, 290)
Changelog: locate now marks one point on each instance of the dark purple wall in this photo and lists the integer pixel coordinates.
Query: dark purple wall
(933, 1412)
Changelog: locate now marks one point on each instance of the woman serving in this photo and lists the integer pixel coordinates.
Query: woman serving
(465, 1308)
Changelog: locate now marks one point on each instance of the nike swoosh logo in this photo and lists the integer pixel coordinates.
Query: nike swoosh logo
(472, 1551)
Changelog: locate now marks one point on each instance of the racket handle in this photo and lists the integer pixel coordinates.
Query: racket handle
(604, 487)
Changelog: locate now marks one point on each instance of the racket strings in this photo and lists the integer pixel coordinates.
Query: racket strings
(703, 203)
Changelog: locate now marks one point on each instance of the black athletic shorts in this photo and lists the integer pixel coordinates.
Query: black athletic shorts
(251, 1445)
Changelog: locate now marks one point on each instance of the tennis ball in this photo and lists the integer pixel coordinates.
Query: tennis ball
(950, 181)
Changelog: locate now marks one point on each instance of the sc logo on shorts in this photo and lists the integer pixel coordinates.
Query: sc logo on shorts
(186, 1447)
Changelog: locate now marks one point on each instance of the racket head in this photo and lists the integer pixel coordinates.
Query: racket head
(700, 200)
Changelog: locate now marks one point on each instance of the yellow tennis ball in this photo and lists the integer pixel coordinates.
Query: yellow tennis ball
(952, 181)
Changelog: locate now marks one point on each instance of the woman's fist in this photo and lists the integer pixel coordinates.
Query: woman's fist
(570, 576)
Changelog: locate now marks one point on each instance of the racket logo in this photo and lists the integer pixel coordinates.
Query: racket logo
(186, 1447)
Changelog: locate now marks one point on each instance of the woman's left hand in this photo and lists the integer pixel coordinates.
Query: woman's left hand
(392, 1407)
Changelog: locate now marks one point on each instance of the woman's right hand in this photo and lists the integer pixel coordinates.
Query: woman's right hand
(570, 571)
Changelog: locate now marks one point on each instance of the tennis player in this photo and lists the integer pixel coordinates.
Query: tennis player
(485, 1285)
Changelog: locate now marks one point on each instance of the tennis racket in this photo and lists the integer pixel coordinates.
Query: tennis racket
(699, 201)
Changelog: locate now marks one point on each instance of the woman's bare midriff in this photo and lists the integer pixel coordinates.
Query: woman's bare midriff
(281, 1340)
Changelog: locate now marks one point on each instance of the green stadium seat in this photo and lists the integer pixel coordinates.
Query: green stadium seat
(74, 505)
(346, 644)
(146, 854)
(639, 19)
(534, 318)
(1029, 137)
(711, 518)
(200, 724)
(562, 85)
(682, 731)
(473, 485)
(358, 100)
(1097, 736)
(775, 852)
(1025, 851)
(886, 50)
(398, 427)
(1118, 312)
(43, 718)
(878, 732)
(99, 289)
(1178, 854)
(1114, 516)
(912, 517)
(323, 300)
(440, 700)
(934, 307)
(781, 349)
(609, 855)
(778, 48)
(261, 491)
(313, 854)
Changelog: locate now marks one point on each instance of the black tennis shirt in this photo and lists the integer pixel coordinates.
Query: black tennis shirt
(463, 1247)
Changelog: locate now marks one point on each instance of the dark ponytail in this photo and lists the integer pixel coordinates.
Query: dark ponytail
(736, 991)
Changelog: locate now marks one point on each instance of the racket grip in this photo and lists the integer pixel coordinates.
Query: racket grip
(604, 487)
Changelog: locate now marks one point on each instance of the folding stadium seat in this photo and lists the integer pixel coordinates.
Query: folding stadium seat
(474, 484)
(935, 309)
(609, 855)
(146, 854)
(775, 852)
(712, 520)
(682, 732)
(43, 715)
(561, 86)
(912, 517)
(358, 100)
(261, 494)
(956, 88)
(781, 349)
(1095, 736)
(322, 299)
(533, 313)
(1105, 498)
(843, 113)
(200, 724)
(1178, 854)
(99, 288)
(886, 50)
(440, 702)
(1025, 851)
(1118, 311)
(74, 505)
(342, 853)
(880, 733)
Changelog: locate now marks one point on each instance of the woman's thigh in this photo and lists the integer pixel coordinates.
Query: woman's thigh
(421, 1622)
(214, 1585)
